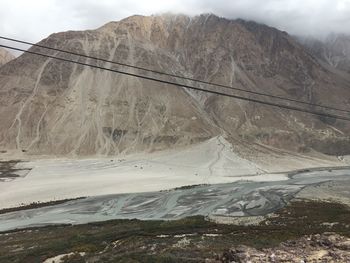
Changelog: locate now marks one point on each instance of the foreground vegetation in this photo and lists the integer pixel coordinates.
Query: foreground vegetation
(188, 240)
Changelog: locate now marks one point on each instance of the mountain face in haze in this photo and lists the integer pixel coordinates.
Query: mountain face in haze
(5, 56)
(334, 50)
(54, 107)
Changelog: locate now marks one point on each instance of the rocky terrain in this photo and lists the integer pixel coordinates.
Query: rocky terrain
(58, 108)
(315, 248)
(5, 56)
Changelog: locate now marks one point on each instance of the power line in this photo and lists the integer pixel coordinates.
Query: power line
(177, 76)
(185, 86)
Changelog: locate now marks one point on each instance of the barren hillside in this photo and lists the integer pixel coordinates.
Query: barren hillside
(54, 107)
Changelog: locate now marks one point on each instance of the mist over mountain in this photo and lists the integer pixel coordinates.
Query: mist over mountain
(333, 50)
(299, 17)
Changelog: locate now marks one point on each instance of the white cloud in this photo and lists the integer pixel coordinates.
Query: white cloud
(36, 19)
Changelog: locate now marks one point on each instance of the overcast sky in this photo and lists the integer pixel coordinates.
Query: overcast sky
(35, 19)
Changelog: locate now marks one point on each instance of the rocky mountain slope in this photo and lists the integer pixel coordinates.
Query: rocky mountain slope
(54, 107)
(5, 56)
(334, 50)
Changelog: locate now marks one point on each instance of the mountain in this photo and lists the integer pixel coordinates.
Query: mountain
(334, 50)
(5, 56)
(55, 107)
